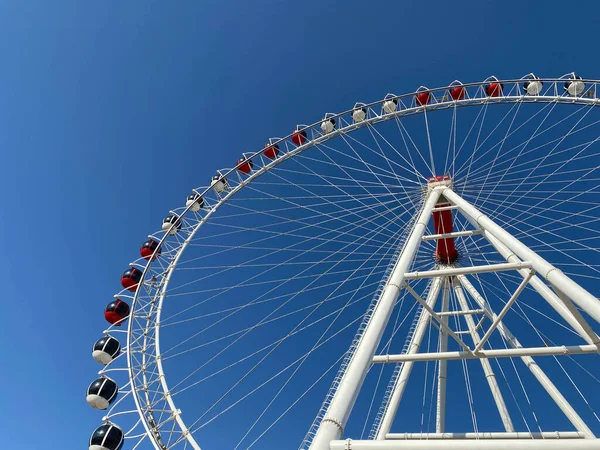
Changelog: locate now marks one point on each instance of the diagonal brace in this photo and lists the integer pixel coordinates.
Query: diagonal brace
(437, 317)
(508, 305)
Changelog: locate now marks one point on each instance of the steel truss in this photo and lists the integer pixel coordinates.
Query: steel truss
(560, 291)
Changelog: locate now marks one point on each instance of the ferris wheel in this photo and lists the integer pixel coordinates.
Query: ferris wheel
(418, 272)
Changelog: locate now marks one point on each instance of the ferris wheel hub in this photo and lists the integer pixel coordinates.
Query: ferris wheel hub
(438, 181)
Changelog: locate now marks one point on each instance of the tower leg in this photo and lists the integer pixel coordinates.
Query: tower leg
(485, 363)
(414, 347)
(334, 421)
(440, 417)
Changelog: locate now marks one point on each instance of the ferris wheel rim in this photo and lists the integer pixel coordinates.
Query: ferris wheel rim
(310, 143)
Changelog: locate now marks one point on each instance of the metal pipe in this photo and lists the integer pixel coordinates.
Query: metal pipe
(396, 397)
(490, 376)
(537, 372)
(554, 276)
(501, 353)
(468, 312)
(489, 435)
(504, 311)
(468, 444)
(440, 416)
(431, 237)
(467, 270)
(334, 421)
(576, 321)
(443, 326)
(444, 208)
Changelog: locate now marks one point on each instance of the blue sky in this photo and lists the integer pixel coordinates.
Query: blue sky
(111, 112)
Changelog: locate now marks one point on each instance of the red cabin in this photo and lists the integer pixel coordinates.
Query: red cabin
(131, 278)
(245, 165)
(147, 250)
(493, 89)
(116, 312)
(457, 93)
(271, 151)
(299, 137)
(422, 98)
(445, 250)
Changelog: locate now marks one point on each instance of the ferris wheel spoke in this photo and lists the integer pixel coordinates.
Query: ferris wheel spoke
(329, 202)
(267, 316)
(337, 316)
(481, 169)
(257, 303)
(564, 163)
(274, 234)
(553, 247)
(375, 134)
(373, 196)
(270, 379)
(281, 416)
(500, 146)
(528, 175)
(537, 133)
(365, 241)
(377, 176)
(392, 163)
(404, 134)
(295, 328)
(551, 221)
(238, 332)
(353, 156)
(333, 185)
(449, 165)
(478, 145)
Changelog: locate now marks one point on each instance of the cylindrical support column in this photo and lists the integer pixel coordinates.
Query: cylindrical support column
(440, 416)
(537, 372)
(468, 444)
(334, 421)
(485, 363)
(415, 345)
(574, 291)
(489, 435)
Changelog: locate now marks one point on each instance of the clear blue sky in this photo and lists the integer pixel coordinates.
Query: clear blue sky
(111, 111)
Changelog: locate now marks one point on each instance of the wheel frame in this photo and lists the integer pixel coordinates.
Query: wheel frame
(149, 307)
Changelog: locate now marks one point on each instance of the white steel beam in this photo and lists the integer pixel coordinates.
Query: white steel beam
(333, 423)
(587, 332)
(432, 237)
(443, 325)
(468, 444)
(537, 372)
(440, 416)
(498, 353)
(504, 311)
(445, 208)
(554, 276)
(490, 435)
(467, 312)
(573, 318)
(490, 376)
(467, 270)
(415, 344)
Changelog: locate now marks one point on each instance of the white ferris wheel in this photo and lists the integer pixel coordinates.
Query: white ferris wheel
(419, 272)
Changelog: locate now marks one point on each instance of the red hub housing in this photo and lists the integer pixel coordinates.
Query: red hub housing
(445, 249)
